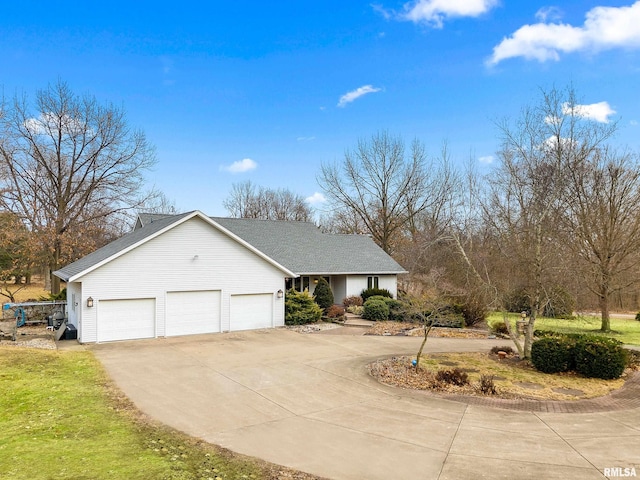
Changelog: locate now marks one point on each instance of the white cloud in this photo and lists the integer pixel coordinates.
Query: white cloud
(633, 123)
(384, 12)
(305, 139)
(604, 28)
(244, 165)
(486, 160)
(600, 112)
(548, 13)
(355, 94)
(316, 198)
(434, 12)
(49, 124)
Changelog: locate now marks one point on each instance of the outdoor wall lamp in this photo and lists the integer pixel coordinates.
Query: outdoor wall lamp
(90, 302)
(280, 294)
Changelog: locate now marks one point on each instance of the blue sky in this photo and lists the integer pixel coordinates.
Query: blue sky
(267, 91)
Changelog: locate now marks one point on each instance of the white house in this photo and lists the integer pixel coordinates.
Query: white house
(189, 273)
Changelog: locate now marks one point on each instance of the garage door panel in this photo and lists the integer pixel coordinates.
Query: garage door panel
(251, 311)
(126, 319)
(193, 312)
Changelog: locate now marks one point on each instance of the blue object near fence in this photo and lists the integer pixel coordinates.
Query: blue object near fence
(21, 317)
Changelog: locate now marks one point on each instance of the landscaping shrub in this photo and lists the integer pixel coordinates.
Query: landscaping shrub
(538, 333)
(499, 328)
(300, 308)
(449, 316)
(553, 354)
(506, 349)
(453, 377)
(397, 309)
(335, 311)
(375, 309)
(487, 385)
(370, 292)
(600, 357)
(449, 321)
(353, 300)
(323, 295)
(638, 316)
(355, 309)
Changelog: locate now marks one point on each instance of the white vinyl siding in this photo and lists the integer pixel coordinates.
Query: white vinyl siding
(251, 311)
(125, 319)
(357, 283)
(189, 313)
(193, 256)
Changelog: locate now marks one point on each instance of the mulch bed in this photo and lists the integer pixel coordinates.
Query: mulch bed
(399, 372)
(389, 328)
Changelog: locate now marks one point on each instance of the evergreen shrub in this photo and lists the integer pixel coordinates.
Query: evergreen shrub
(300, 308)
(600, 357)
(370, 292)
(375, 309)
(323, 294)
(553, 354)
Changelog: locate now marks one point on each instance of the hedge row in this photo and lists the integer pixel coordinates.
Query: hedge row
(588, 355)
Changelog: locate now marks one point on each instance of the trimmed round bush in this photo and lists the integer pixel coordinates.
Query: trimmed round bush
(553, 354)
(300, 308)
(375, 309)
(370, 292)
(599, 357)
(323, 294)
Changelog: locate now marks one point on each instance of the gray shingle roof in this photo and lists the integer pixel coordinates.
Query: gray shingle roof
(300, 247)
(304, 249)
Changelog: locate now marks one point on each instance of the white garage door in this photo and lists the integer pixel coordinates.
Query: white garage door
(126, 319)
(251, 311)
(189, 313)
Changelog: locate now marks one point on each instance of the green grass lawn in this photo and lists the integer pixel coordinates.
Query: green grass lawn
(625, 330)
(61, 418)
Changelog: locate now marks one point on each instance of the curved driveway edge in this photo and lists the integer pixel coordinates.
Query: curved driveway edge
(307, 402)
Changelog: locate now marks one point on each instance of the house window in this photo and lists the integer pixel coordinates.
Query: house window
(301, 284)
(372, 282)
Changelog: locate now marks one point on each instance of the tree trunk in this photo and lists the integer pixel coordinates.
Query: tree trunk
(47, 277)
(604, 309)
(528, 337)
(427, 329)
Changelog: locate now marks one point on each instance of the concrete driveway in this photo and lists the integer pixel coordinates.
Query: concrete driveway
(306, 401)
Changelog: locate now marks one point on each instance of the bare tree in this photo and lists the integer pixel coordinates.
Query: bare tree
(530, 187)
(603, 216)
(383, 186)
(247, 200)
(158, 202)
(67, 162)
(526, 197)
